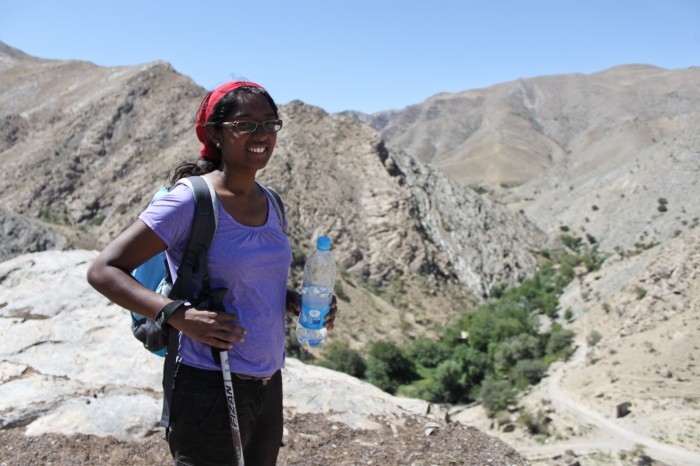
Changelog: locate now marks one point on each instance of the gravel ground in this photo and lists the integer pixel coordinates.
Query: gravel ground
(311, 440)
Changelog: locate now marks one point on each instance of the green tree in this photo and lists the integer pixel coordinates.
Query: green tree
(559, 342)
(344, 359)
(474, 363)
(523, 346)
(427, 353)
(528, 371)
(496, 395)
(388, 367)
(450, 383)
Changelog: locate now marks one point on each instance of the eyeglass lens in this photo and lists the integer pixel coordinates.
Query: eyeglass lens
(271, 126)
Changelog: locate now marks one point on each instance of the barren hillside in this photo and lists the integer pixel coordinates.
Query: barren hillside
(595, 154)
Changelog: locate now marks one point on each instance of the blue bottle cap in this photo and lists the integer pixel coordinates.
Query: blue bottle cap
(323, 243)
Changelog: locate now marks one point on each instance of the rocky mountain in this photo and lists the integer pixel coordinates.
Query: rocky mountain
(612, 154)
(85, 147)
(611, 157)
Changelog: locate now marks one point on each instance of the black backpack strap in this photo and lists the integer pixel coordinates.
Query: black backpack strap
(204, 225)
(203, 230)
(277, 204)
(169, 367)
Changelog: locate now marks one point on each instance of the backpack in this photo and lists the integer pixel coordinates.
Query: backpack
(155, 275)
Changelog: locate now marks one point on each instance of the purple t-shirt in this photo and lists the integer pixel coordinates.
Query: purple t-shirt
(251, 262)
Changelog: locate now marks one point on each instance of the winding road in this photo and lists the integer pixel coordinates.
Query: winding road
(614, 437)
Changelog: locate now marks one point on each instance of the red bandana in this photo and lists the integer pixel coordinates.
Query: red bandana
(209, 150)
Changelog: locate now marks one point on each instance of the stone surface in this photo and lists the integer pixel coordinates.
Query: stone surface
(71, 374)
(69, 363)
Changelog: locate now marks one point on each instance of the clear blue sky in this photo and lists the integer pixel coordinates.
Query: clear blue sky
(360, 55)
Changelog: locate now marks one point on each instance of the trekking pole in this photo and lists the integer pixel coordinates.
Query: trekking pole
(216, 304)
(235, 430)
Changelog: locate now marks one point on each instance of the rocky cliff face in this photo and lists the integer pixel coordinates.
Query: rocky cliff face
(392, 216)
(84, 142)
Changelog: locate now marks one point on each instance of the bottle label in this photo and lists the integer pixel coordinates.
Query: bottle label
(312, 318)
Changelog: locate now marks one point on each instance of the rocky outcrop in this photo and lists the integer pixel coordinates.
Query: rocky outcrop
(21, 235)
(69, 365)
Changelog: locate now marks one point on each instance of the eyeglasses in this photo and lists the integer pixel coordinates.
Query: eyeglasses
(270, 126)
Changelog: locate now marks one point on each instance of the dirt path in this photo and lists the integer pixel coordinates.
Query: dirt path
(612, 436)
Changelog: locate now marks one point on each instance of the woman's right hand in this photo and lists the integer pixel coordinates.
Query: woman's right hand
(217, 329)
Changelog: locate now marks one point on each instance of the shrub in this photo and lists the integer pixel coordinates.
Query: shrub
(571, 242)
(343, 359)
(388, 367)
(559, 342)
(498, 290)
(640, 292)
(475, 364)
(496, 395)
(98, 220)
(593, 260)
(507, 353)
(495, 322)
(593, 338)
(569, 314)
(530, 371)
(540, 292)
(450, 385)
(535, 423)
(427, 353)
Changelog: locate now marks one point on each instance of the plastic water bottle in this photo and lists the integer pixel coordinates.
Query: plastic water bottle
(316, 294)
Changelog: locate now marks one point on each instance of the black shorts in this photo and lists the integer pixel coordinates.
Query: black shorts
(200, 428)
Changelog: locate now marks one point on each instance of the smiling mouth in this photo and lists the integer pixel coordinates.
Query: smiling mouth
(257, 150)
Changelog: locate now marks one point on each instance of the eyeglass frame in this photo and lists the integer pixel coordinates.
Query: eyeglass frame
(234, 125)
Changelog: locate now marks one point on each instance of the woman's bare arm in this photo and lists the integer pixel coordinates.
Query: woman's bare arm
(110, 274)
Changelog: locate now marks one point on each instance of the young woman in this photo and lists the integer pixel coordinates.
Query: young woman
(250, 256)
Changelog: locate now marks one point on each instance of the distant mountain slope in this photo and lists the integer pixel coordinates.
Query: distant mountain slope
(574, 150)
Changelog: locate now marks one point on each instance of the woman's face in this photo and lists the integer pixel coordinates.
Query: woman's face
(248, 151)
